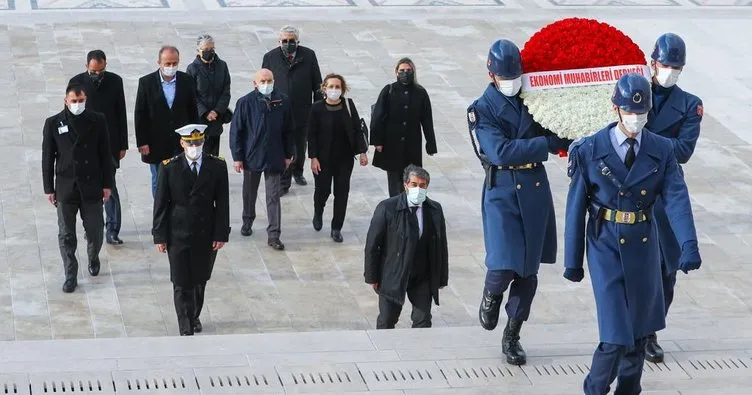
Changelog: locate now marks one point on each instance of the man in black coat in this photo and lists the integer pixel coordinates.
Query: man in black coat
(166, 100)
(406, 252)
(212, 80)
(297, 75)
(105, 95)
(77, 176)
(191, 222)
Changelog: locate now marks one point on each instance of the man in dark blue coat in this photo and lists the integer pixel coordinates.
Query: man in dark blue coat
(261, 141)
(616, 176)
(676, 115)
(519, 227)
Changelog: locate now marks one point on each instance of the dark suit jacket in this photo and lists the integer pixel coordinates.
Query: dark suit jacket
(155, 122)
(212, 81)
(190, 215)
(320, 131)
(79, 157)
(300, 81)
(108, 98)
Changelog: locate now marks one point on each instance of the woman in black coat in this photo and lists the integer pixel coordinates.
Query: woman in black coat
(403, 107)
(334, 138)
(212, 80)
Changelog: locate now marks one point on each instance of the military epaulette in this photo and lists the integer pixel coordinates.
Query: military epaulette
(167, 161)
(216, 157)
(572, 156)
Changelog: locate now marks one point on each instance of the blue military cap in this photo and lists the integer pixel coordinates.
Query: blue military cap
(504, 59)
(670, 50)
(632, 93)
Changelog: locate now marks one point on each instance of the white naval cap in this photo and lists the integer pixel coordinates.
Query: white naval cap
(191, 132)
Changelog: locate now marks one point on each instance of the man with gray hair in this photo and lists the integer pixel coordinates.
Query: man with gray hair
(406, 252)
(297, 75)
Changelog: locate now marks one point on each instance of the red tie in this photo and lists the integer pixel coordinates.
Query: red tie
(289, 58)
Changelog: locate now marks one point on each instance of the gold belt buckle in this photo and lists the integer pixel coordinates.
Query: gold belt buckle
(525, 166)
(626, 217)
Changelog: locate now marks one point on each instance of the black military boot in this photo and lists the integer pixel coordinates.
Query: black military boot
(510, 344)
(488, 313)
(653, 351)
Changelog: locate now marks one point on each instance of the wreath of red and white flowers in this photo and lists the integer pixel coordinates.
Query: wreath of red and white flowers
(570, 69)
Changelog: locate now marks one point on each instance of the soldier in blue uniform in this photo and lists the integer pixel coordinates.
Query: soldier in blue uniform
(616, 176)
(676, 115)
(519, 227)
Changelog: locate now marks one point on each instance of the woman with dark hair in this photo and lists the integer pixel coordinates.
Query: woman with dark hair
(403, 107)
(335, 136)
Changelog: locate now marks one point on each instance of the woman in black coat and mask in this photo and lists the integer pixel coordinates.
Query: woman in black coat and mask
(212, 81)
(401, 111)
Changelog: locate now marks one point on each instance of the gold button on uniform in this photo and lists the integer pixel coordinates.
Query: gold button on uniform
(643, 192)
(519, 186)
(644, 239)
(537, 184)
(622, 241)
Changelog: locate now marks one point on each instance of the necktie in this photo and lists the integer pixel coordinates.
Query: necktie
(630, 157)
(194, 170)
(289, 58)
(414, 212)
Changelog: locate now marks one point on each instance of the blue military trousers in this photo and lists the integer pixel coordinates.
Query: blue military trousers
(611, 361)
(521, 291)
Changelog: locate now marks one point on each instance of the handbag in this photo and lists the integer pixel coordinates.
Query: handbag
(361, 128)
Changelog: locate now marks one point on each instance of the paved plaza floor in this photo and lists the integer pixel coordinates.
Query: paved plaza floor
(316, 284)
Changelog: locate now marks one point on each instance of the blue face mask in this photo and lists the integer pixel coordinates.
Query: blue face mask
(416, 195)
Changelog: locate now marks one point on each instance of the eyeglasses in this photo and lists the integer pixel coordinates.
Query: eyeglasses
(292, 41)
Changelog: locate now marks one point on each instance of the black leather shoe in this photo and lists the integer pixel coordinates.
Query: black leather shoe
(113, 239)
(246, 230)
(70, 285)
(94, 266)
(336, 235)
(187, 333)
(488, 313)
(653, 351)
(197, 327)
(276, 244)
(318, 221)
(300, 180)
(510, 343)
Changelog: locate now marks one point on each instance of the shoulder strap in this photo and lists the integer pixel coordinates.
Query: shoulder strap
(347, 105)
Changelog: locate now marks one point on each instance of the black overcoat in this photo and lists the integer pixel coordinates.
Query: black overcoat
(391, 244)
(396, 125)
(76, 160)
(299, 80)
(321, 131)
(212, 82)
(189, 216)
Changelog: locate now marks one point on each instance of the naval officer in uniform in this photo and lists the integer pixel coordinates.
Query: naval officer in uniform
(191, 221)
(676, 115)
(616, 177)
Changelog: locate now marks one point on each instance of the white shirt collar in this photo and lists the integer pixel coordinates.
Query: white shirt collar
(198, 161)
(621, 137)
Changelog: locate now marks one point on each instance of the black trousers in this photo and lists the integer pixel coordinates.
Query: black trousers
(396, 182)
(296, 167)
(185, 307)
(339, 172)
(211, 145)
(112, 208)
(419, 294)
(93, 222)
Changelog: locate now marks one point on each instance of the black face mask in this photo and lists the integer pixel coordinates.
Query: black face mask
(289, 47)
(96, 77)
(405, 77)
(208, 55)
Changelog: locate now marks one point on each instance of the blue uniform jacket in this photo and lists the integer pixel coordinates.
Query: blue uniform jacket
(519, 227)
(678, 120)
(624, 260)
(261, 133)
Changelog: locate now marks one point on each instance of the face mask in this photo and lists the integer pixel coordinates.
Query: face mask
(77, 108)
(509, 88)
(634, 123)
(416, 195)
(169, 71)
(266, 89)
(333, 94)
(193, 152)
(289, 47)
(207, 55)
(406, 77)
(95, 77)
(666, 77)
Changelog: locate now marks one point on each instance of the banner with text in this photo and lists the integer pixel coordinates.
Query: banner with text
(581, 77)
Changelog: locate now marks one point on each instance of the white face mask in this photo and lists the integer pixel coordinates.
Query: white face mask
(169, 71)
(509, 88)
(333, 94)
(77, 108)
(266, 89)
(193, 152)
(416, 195)
(634, 123)
(667, 77)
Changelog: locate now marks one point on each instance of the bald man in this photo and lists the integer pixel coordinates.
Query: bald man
(262, 142)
